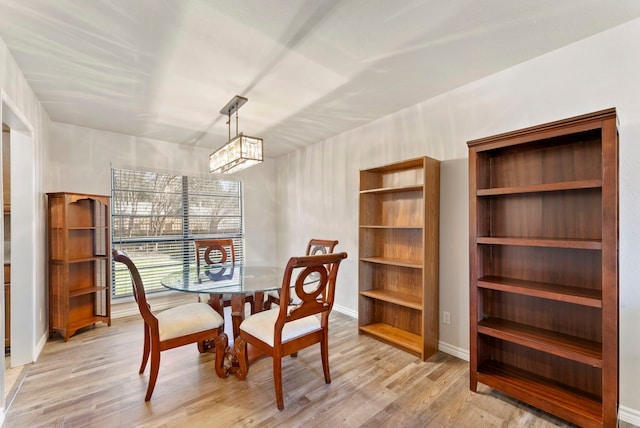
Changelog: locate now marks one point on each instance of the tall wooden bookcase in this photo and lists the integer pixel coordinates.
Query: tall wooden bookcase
(544, 266)
(398, 254)
(79, 267)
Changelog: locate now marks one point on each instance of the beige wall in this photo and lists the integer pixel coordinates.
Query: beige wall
(318, 186)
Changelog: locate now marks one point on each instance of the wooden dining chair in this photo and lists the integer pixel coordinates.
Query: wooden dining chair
(314, 247)
(189, 323)
(286, 330)
(212, 252)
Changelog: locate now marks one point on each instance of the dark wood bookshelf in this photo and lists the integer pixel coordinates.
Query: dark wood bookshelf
(543, 205)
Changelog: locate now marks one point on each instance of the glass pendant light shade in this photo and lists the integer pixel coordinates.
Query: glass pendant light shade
(241, 152)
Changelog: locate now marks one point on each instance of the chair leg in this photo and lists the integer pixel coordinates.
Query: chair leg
(153, 375)
(277, 381)
(240, 347)
(271, 300)
(324, 351)
(222, 347)
(204, 346)
(146, 349)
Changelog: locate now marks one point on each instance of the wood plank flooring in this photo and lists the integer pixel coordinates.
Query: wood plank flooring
(93, 381)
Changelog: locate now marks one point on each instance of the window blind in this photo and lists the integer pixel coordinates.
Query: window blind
(156, 217)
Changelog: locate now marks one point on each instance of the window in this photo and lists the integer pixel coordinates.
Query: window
(156, 217)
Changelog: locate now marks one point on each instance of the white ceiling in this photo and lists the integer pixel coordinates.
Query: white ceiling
(311, 69)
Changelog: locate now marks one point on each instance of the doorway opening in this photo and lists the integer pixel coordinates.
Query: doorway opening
(19, 251)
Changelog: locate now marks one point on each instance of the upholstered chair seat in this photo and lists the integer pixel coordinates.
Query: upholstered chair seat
(263, 324)
(187, 319)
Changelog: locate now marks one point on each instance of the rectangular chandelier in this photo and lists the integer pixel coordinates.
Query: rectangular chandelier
(238, 153)
(241, 151)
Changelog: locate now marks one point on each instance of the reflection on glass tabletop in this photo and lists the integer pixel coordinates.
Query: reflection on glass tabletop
(228, 279)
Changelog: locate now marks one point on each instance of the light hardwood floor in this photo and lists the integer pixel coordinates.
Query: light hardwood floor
(93, 381)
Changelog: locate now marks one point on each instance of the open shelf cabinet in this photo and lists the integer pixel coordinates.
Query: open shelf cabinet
(79, 266)
(398, 254)
(544, 266)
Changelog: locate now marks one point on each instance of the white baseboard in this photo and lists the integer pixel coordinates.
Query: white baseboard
(461, 353)
(346, 311)
(40, 347)
(627, 414)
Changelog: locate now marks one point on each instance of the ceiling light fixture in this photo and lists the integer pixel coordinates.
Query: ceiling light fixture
(240, 152)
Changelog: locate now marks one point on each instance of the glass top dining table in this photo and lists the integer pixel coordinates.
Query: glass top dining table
(237, 280)
(226, 279)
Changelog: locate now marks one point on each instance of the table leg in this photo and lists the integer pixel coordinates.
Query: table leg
(237, 309)
(237, 313)
(237, 316)
(258, 301)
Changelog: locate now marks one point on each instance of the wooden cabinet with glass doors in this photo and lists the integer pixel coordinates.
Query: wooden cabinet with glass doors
(79, 266)
(544, 266)
(398, 254)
